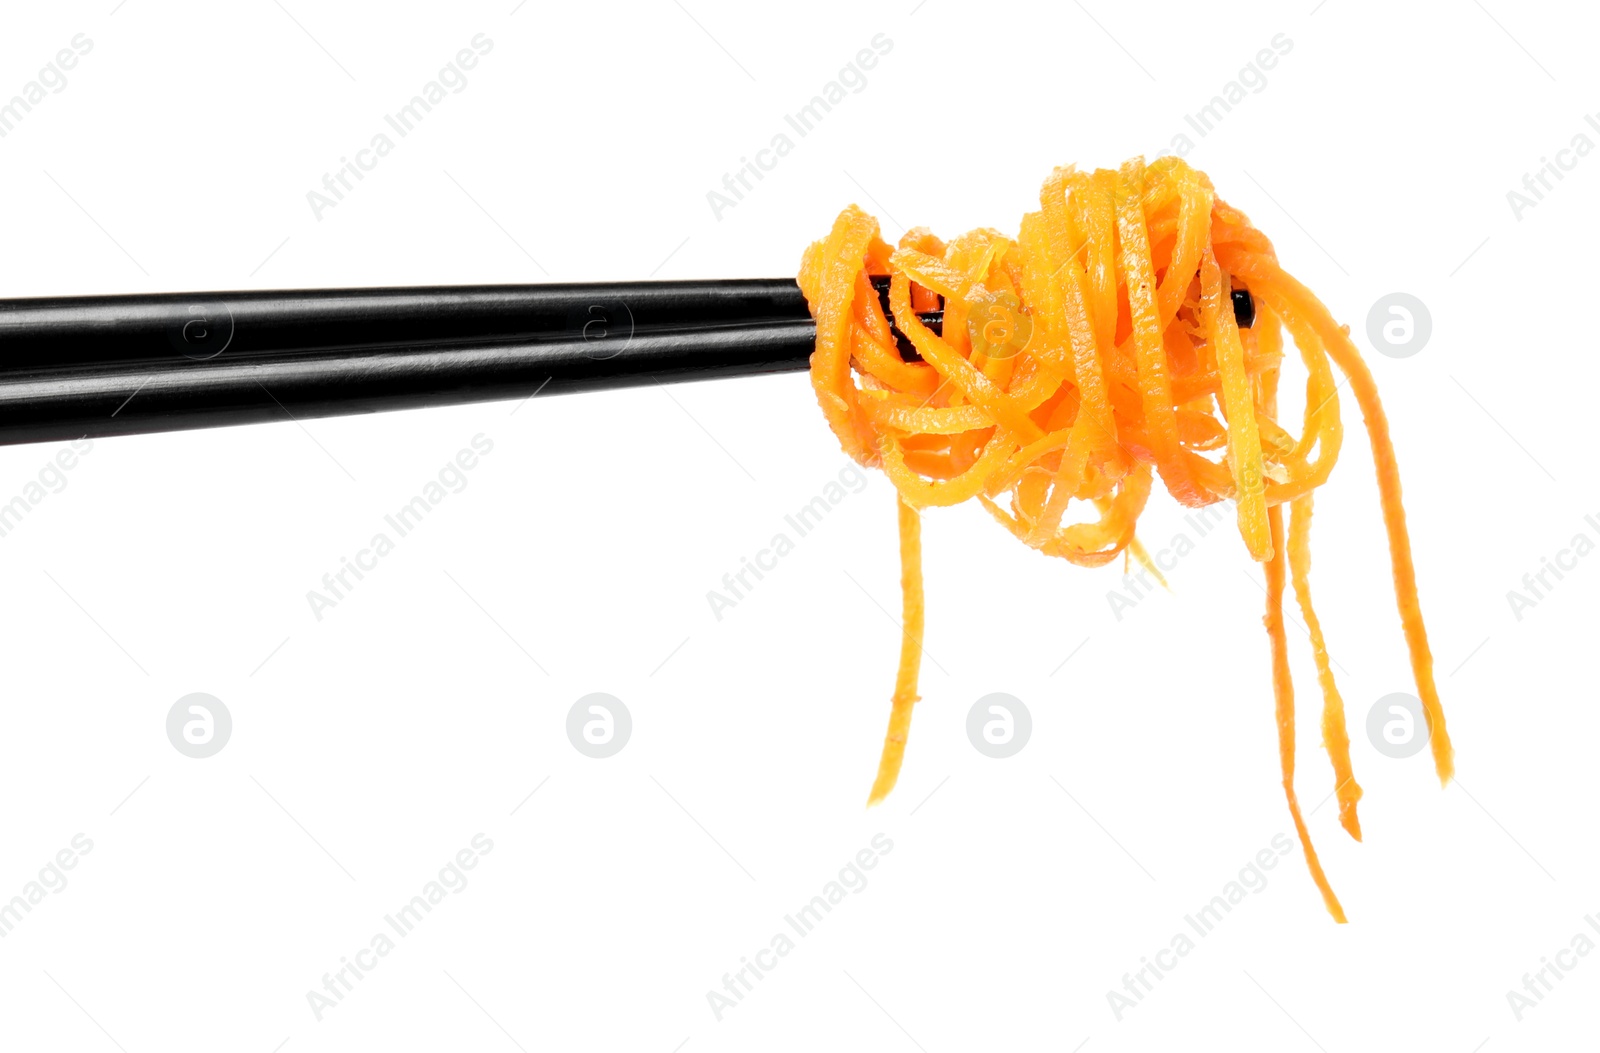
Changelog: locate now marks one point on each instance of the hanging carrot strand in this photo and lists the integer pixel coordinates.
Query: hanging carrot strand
(905, 684)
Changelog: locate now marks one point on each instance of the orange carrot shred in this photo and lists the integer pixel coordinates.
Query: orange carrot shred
(905, 683)
(1335, 736)
(1283, 693)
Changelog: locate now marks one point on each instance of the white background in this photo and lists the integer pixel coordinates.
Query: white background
(370, 746)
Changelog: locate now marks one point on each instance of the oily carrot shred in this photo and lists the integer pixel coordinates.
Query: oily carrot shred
(1079, 361)
(905, 685)
(1283, 695)
(1335, 737)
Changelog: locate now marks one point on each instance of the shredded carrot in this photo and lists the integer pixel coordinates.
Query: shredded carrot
(1133, 367)
(1335, 737)
(905, 684)
(1283, 695)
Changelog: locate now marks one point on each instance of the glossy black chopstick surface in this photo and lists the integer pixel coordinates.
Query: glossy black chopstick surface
(40, 405)
(117, 365)
(102, 330)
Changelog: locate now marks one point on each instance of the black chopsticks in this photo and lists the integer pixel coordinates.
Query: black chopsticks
(118, 365)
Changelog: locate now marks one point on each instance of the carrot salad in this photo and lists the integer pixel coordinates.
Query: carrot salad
(1131, 331)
